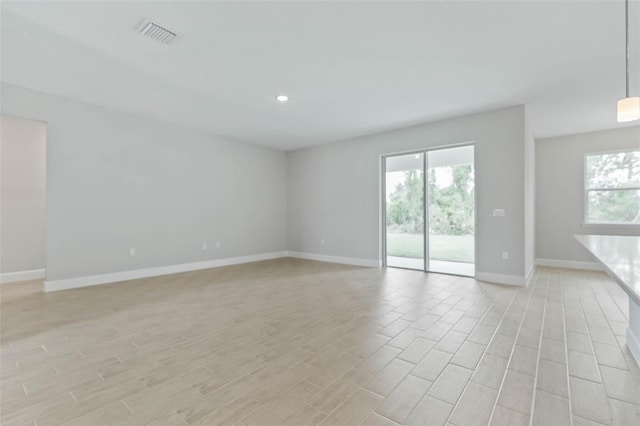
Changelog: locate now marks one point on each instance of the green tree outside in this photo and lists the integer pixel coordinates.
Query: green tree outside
(451, 215)
(451, 208)
(612, 181)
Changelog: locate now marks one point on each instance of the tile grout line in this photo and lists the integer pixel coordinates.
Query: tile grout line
(566, 350)
(513, 298)
(484, 293)
(378, 414)
(513, 348)
(586, 324)
(125, 404)
(615, 301)
(409, 374)
(594, 349)
(610, 329)
(485, 305)
(535, 377)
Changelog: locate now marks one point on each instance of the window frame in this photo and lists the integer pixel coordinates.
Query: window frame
(586, 223)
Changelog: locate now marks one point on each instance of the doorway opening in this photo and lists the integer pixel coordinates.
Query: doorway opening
(429, 210)
(23, 199)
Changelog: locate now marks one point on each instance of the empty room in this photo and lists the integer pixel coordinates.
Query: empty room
(301, 213)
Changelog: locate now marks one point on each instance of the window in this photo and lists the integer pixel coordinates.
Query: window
(612, 188)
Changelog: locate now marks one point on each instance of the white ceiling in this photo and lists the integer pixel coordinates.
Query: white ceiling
(350, 68)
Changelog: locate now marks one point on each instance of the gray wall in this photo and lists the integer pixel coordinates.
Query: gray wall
(23, 194)
(334, 189)
(560, 191)
(117, 180)
(529, 199)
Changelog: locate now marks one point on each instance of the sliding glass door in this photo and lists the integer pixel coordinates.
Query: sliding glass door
(451, 210)
(437, 235)
(405, 214)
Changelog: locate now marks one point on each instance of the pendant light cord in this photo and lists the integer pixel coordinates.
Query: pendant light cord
(626, 42)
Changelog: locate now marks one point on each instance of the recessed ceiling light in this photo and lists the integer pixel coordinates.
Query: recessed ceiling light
(282, 98)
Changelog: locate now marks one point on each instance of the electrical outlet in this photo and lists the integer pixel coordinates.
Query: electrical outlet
(132, 252)
(205, 246)
(505, 255)
(499, 213)
(218, 244)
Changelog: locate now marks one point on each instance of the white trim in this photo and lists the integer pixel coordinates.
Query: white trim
(336, 259)
(585, 215)
(10, 277)
(570, 264)
(502, 278)
(90, 280)
(530, 274)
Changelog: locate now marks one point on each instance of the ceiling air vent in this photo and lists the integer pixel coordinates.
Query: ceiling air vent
(150, 29)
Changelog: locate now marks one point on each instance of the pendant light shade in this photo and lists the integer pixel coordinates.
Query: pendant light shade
(629, 109)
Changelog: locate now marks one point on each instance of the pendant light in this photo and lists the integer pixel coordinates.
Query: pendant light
(629, 107)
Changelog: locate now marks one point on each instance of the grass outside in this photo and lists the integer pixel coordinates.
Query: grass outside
(454, 248)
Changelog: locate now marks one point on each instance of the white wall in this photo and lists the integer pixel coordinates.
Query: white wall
(334, 189)
(23, 195)
(117, 180)
(560, 191)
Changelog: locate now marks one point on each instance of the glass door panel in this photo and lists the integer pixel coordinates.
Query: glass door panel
(451, 210)
(405, 211)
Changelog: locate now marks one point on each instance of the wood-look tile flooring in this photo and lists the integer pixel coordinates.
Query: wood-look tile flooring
(296, 342)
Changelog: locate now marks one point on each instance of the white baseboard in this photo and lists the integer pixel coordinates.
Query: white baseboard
(91, 280)
(11, 277)
(570, 264)
(502, 279)
(530, 274)
(336, 259)
(78, 282)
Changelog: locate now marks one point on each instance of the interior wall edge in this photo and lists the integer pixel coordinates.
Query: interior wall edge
(322, 181)
(493, 278)
(560, 191)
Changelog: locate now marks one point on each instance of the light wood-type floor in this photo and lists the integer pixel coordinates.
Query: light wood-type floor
(297, 342)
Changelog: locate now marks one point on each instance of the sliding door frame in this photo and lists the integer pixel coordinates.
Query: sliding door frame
(425, 211)
(383, 199)
(425, 197)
